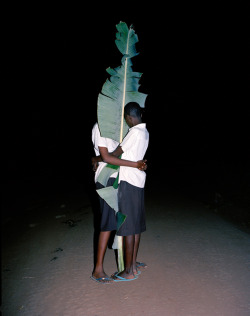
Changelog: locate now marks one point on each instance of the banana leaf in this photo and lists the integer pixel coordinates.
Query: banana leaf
(120, 89)
(105, 174)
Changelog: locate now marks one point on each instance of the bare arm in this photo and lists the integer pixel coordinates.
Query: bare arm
(112, 159)
(117, 152)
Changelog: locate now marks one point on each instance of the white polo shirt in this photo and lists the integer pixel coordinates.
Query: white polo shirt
(134, 147)
(98, 140)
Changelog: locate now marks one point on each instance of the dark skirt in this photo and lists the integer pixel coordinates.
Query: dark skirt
(108, 215)
(131, 203)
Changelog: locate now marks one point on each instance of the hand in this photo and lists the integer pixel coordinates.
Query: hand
(94, 163)
(141, 165)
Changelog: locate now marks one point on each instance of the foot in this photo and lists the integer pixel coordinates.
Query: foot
(136, 271)
(123, 276)
(141, 265)
(101, 277)
(104, 280)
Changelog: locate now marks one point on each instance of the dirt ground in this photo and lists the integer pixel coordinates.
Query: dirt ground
(198, 263)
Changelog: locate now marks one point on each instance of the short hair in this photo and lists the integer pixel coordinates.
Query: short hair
(133, 109)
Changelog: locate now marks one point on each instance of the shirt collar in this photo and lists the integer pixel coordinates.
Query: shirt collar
(140, 126)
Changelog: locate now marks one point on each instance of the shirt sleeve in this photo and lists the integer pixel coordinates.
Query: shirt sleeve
(99, 141)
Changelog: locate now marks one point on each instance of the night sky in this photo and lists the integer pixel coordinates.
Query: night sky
(194, 69)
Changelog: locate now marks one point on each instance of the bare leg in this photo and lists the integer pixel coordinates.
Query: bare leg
(128, 273)
(102, 246)
(136, 248)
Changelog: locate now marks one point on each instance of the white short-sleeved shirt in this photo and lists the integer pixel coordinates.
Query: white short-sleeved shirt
(134, 147)
(99, 141)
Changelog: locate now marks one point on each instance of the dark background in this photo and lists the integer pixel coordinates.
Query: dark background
(195, 69)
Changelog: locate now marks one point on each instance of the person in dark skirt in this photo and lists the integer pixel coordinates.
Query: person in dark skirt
(131, 190)
(102, 146)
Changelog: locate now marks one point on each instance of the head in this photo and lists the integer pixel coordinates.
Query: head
(133, 114)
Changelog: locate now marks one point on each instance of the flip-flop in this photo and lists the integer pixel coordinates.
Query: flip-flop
(114, 274)
(141, 265)
(123, 279)
(102, 280)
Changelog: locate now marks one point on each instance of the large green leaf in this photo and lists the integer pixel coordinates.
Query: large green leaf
(109, 194)
(105, 174)
(121, 88)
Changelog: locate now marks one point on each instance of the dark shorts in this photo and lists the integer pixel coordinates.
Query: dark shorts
(108, 218)
(131, 203)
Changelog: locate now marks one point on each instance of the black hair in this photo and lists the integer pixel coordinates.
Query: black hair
(133, 109)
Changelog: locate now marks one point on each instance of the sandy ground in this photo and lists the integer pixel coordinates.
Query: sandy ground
(198, 263)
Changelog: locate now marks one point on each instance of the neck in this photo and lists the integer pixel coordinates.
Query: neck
(136, 123)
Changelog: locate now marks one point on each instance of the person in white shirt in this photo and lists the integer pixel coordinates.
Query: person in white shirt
(131, 190)
(102, 146)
